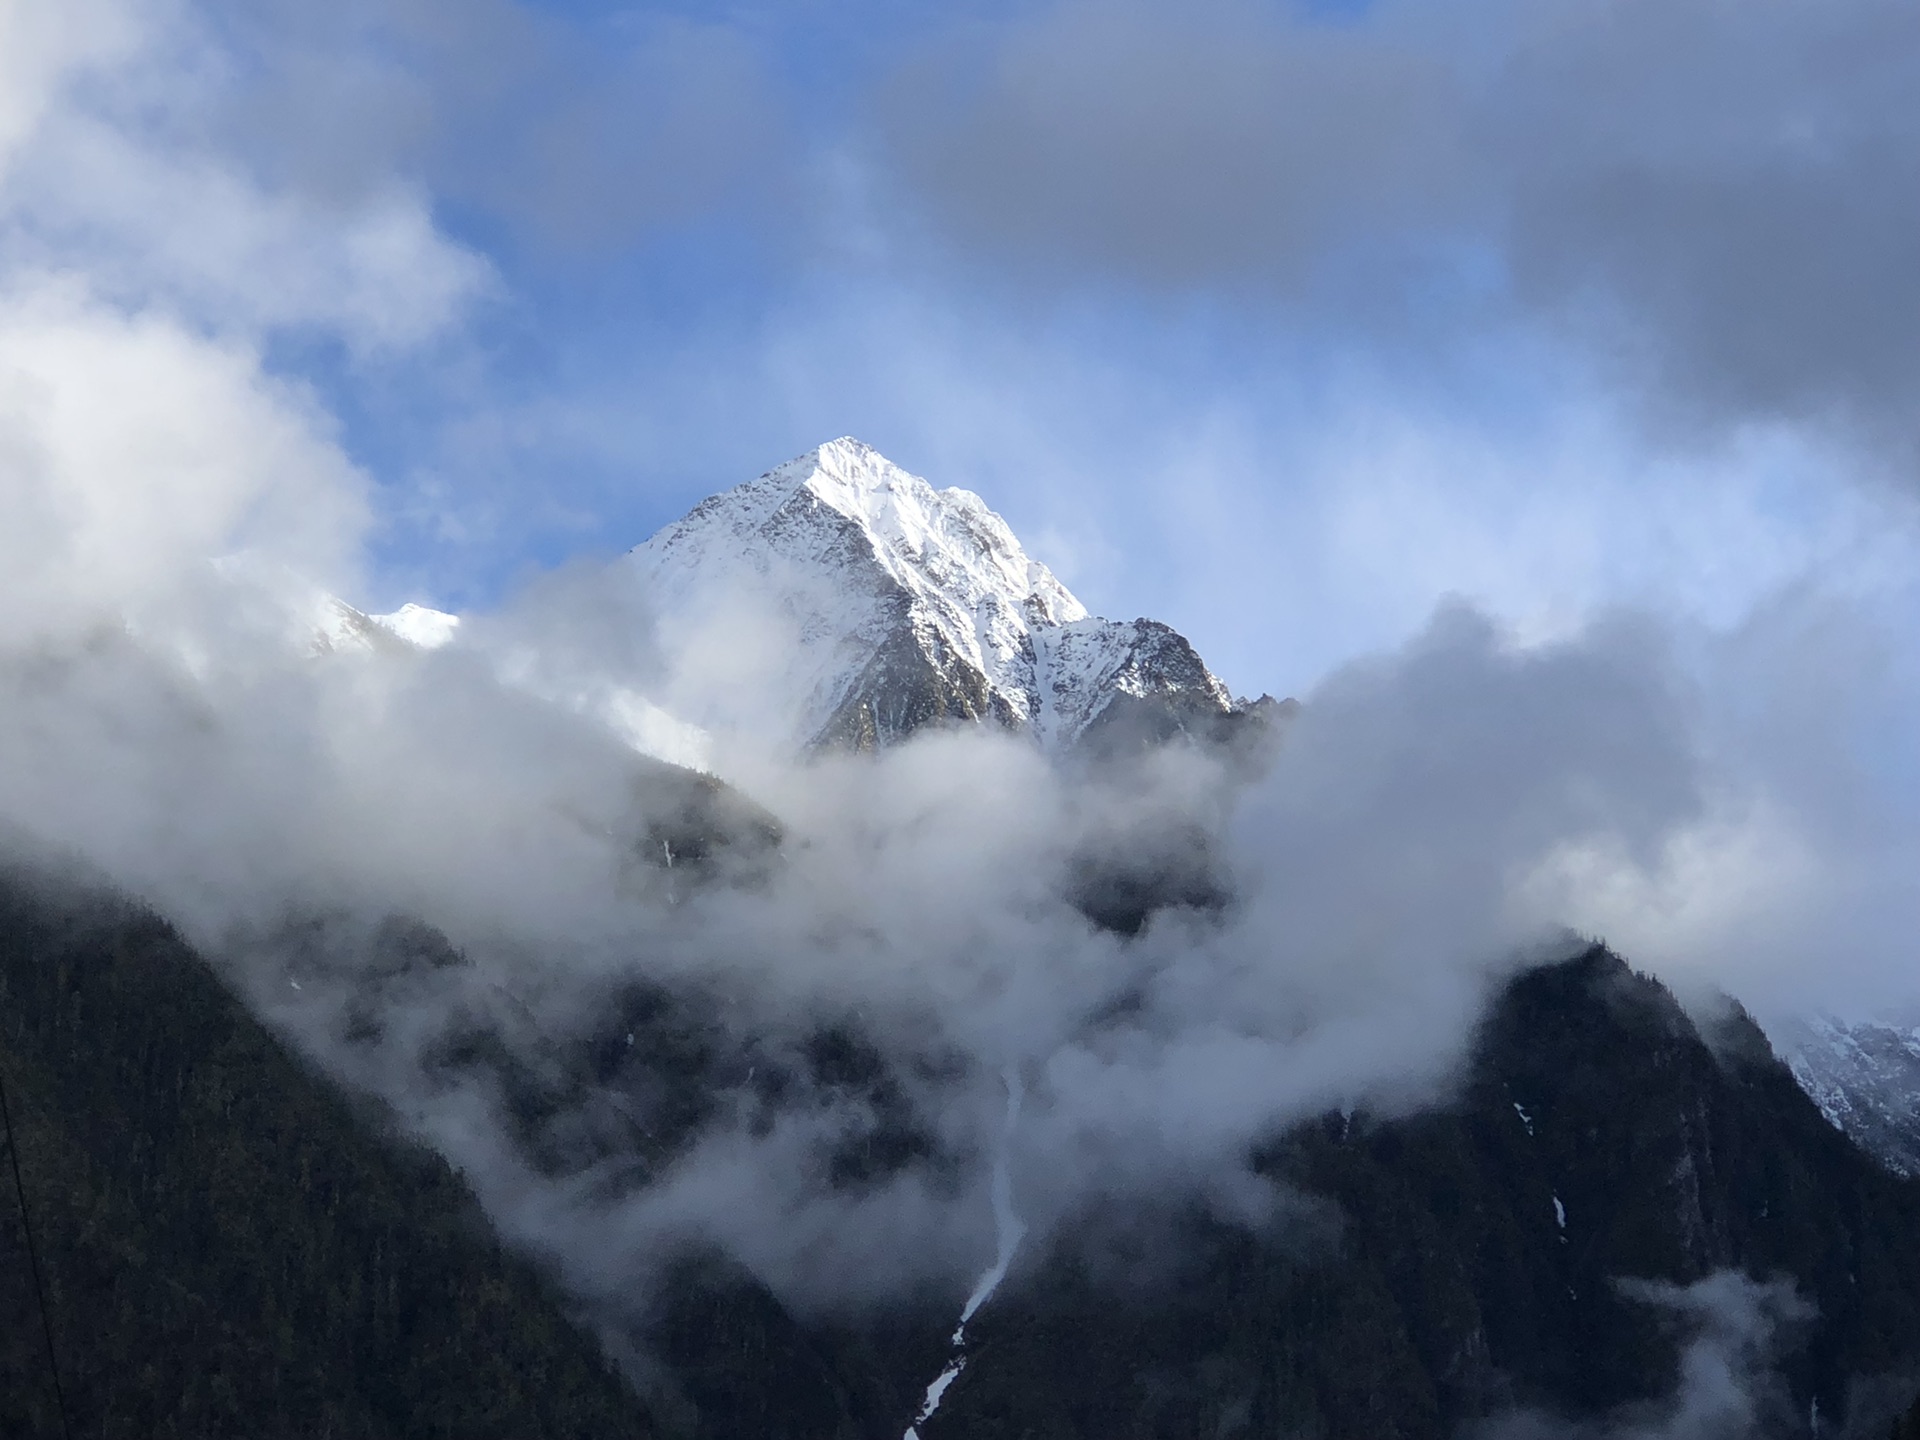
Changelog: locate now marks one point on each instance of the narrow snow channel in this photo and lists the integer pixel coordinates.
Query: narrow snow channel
(1008, 1231)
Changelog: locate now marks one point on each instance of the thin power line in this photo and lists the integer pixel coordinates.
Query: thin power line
(33, 1264)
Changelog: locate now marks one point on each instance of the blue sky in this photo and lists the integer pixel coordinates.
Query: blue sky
(1280, 322)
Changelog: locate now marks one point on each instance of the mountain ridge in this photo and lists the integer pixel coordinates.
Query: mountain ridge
(904, 606)
(1865, 1078)
(1521, 1259)
(230, 1245)
(839, 602)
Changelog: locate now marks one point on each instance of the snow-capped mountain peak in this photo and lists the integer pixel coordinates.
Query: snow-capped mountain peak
(881, 604)
(339, 626)
(838, 600)
(420, 625)
(944, 539)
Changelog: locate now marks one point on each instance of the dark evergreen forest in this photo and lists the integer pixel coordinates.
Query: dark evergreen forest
(230, 1249)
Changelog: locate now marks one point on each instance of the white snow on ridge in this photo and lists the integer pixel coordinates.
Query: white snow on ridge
(947, 539)
(1085, 664)
(1865, 1079)
(835, 600)
(821, 564)
(833, 544)
(419, 626)
(339, 626)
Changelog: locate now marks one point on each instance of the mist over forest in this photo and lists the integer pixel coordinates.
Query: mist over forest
(1517, 397)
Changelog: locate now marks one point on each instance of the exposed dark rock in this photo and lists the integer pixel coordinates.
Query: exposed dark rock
(1451, 1290)
(700, 826)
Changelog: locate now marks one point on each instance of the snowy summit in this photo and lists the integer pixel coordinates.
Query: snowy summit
(872, 604)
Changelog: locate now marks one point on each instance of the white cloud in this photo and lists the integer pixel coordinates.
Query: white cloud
(43, 47)
(133, 451)
(114, 163)
(1439, 804)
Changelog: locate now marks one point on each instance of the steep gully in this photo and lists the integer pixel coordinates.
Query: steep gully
(1008, 1231)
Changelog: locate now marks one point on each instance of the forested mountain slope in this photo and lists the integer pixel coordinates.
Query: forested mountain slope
(228, 1249)
(233, 1249)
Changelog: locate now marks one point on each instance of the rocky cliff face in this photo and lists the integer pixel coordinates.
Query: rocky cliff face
(1608, 1194)
(883, 605)
(1866, 1080)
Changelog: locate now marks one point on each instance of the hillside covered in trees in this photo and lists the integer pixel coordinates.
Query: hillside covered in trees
(228, 1249)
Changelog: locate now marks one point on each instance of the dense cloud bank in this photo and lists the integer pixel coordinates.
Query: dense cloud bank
(1712, 201)
(795, 1044)
(281, 804)
(1707, 205)
(438, 871)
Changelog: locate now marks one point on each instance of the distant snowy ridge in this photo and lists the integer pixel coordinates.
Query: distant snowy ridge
(881, 605)
(1866, 1080)
(634, 718)
(840, 601)
(420, 626)
(340, 626)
